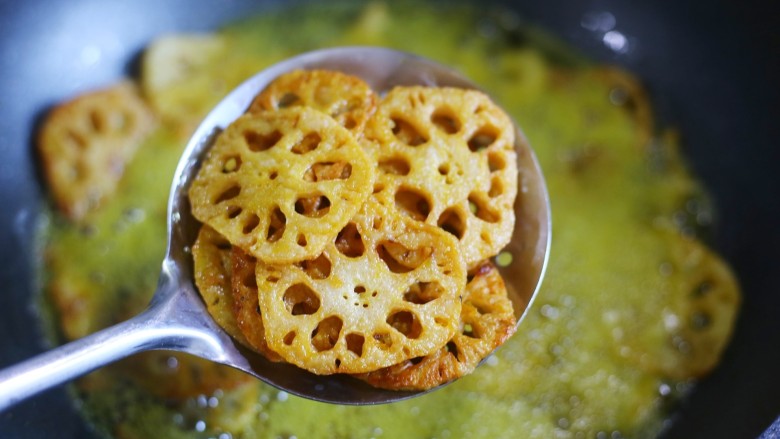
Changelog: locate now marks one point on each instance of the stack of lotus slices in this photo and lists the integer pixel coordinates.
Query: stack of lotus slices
(344, 232)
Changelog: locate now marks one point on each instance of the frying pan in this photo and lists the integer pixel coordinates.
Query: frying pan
(710, 70)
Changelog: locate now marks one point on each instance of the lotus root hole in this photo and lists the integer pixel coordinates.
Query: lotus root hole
(483, 138)
(234, 212)
(289, 338)
(703, 288)
(96, 121)
(272, 175)
(496, 188)
(326, 334)
(441, 321)
(452, 221)
(77, 139)
(481, 209)
(400, 259)
(452, 348)
(312, 206)
(299, 299)
(496, 161)
(355, 343)
(700, 320)
(412, 203)
(324, 171)
(288, 99)
(481, 270)
(276, 225)
(360, 289)
(445, 120)
(78, 171)
(249, 280)
(444, 169)
(394, 165)
(223, 244)
(421, 293)
(231, 164)
(317, 268)
(251, 224)
(118, 121)
(407, 133)
(468, 331)
(349, 242)
(350, 123)
(258, 142)
(310, 142)
(405, 322)
(384, 339)
(228, 194)
(301, 241)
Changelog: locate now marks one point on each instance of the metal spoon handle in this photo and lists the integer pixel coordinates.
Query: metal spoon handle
(74, 359)
(166, 324)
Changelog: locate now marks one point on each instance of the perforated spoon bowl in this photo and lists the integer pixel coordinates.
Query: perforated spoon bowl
(176, 318)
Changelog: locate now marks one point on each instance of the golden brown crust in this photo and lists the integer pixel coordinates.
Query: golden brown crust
(261, 186)
(356, 307)
(245, 304)
(487, 320)
(213, 271)
(85, 144)
(446, 157)
(345, 98)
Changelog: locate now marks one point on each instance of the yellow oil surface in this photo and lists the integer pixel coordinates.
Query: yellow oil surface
(633, 307)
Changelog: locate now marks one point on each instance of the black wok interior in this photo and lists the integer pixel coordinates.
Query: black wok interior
(709, 66)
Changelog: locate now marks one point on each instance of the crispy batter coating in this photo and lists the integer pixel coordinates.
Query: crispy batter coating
(265, 184)
(345, 98)
(85, 144)
(245, 305)
(446, 157)
(213, 269)
(357, 307)
(333, 280)
(486, 321)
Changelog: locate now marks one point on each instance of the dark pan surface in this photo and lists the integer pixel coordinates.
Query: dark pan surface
(711, 71)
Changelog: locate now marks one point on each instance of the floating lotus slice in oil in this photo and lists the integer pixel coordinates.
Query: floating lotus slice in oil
(85, 144)
(487, 319)
(346, 98)
(703, 297)
(446, 157)
(387, 290)
(281, 184)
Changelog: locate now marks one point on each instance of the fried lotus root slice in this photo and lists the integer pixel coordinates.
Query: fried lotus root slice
(705, 298)
(85, 144)
(269, 186)
(245, 306)
(446, 157)
(354, 308)
(346, 98)
(211, 255)
(487, 320)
